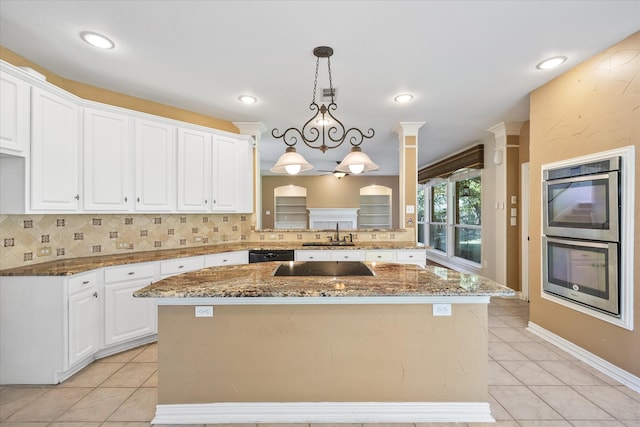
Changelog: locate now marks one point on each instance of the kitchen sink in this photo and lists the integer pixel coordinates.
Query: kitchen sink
(328, 244)
(323, 268)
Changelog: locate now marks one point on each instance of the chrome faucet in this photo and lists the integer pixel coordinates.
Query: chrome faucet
(337, 232)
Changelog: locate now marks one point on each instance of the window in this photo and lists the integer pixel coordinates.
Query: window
(452, 215)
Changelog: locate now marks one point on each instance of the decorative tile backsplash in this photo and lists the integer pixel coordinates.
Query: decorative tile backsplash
(73, 236)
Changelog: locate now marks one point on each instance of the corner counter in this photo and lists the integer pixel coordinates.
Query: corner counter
(238, 345)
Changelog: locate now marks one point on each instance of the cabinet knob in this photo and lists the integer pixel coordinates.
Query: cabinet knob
(131, 273)
(77, 197)
(138, 199)
(181, 266)
(95, 295)
(125, 199)
(86, 282)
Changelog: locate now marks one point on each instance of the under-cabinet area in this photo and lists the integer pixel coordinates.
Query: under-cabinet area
(61, 153)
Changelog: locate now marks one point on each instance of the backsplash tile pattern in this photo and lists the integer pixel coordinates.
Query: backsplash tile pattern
(73, 236)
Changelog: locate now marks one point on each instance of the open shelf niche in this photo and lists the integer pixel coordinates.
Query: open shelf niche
(375, 207)
(290, 207)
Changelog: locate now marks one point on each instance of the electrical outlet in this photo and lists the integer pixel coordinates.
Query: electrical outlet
(45, 251)
(204, 311)
(442, 309)
(121, 244)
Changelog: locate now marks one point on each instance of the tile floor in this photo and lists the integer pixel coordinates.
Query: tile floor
(531, 383)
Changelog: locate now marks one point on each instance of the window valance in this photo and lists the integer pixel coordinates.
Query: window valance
(470, 158)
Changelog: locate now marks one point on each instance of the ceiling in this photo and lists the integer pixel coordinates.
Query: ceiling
(469, 64)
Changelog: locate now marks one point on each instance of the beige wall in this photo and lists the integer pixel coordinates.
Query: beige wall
(118, 99)
(327, 191)
(591, 108)
(323, 353)
(513, 232)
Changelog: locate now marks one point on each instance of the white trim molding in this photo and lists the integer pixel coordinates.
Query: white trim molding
(607, 368)
(323, 412)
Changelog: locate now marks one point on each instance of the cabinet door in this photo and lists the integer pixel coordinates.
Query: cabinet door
(54, 152)
(155, 166)
(83, 324)
(127, 317)
(194, 170)
(14, 115)
(107, 169)
(225, 175)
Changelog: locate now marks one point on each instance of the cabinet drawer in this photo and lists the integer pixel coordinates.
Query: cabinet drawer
(226, 258)
(82, 281)
(347, 255)
(417, 256)
(129, 272)
(181, 265)
(381, 256)
(313, 255)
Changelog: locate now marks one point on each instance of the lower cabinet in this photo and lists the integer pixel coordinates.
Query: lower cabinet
(125, 317)
(84, 311)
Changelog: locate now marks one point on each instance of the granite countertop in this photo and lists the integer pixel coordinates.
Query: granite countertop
(257, 280)
(71, 266)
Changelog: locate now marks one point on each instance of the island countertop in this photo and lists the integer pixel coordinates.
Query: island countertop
(258, 281)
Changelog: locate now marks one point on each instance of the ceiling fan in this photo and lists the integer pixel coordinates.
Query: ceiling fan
(338, 174)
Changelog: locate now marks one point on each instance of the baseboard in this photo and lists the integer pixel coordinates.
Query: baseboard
(323, 412)
(607, 368)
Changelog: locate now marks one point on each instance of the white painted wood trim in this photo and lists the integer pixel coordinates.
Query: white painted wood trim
(323, 412)
(607, 368)
(390, 300)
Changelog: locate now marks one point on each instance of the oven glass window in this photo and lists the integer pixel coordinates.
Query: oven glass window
(579, 204)
(582, 269)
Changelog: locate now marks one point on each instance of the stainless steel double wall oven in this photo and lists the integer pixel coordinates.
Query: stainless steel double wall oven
(581, 226)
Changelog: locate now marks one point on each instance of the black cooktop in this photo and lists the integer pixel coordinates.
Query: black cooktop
(323, 268)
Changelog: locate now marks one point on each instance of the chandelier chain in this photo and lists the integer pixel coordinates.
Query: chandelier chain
(315, 80)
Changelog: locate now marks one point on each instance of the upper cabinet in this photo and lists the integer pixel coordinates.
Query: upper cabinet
(108, 177)
(54, 152)
(14, 115)
(194, 171)
(155, 166)
(60, 153)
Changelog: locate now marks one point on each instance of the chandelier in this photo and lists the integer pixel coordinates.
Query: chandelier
(323, 131)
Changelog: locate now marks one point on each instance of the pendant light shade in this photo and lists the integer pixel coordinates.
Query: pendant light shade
(356, 162)
(291, 162)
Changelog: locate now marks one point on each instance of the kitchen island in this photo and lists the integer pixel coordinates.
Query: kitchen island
(238, 344)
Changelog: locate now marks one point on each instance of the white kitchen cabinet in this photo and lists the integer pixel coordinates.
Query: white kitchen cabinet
(245, 171)
(14, 115)
(155, 154)
(347, 255)
(194, 171)
(108, 175)
(48, 326)
(54, 152)
(83, 316)
(180, 265)
(225, 174)
(380, 256)
(412, 256)
(226, 258)
(125, 317)
(313, 255)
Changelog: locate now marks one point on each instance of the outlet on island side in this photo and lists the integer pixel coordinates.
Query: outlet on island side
(204, 311)
(442, 309)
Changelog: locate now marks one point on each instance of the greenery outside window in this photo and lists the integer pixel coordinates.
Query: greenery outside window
(452, 213)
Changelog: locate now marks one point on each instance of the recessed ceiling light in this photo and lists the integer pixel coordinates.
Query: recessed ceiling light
(549, 63)
(403, 98)
(97, 40)
(248, 99)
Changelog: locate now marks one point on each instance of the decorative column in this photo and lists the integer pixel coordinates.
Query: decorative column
(408, 175)
(507, 196)
(255, 129)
